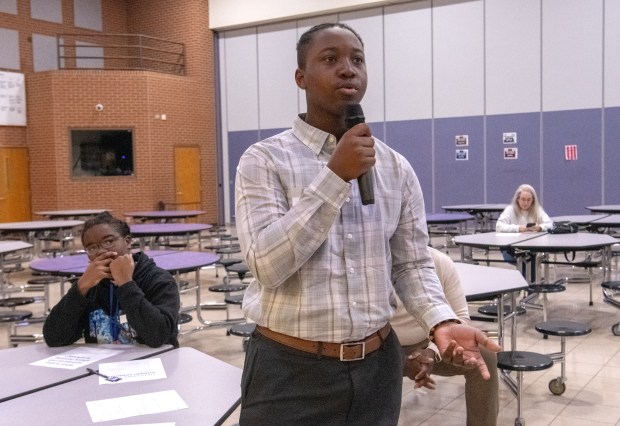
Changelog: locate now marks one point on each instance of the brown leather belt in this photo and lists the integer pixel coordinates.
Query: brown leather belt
(350, 351)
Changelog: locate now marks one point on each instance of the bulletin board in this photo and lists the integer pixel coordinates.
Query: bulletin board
(12, 99)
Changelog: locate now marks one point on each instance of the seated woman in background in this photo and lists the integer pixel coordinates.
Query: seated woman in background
(524, 214)
(121, 297)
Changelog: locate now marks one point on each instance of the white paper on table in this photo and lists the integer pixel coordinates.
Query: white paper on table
(135, 405)
(132, 371)
(75, 358)
(151, 424)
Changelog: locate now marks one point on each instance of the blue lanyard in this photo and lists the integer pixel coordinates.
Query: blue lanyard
(115, 326)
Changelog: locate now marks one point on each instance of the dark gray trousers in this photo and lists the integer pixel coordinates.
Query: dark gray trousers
(284, 386)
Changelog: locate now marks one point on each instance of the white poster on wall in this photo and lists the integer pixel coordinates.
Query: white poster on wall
(12, 99)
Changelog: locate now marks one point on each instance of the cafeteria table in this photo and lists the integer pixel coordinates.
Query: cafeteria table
(174, 261)
(489, 240)
(71, 214)
(164, 215)
(9, 247)
(485, 214)
(606, 222)
(154, 231)
(36, 231)
(19, 378)
(482, 282)
(580, 241)
(211, 389)
(607, 208)
(580, 219)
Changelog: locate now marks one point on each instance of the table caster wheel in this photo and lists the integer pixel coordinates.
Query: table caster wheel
(557, 386)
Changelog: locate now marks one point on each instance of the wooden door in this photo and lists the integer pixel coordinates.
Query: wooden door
(187, 177)
(14, 185)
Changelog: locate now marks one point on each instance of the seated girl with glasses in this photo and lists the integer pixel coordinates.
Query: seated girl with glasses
(121, 297)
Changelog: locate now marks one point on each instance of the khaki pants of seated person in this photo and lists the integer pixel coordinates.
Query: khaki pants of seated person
(481, 396)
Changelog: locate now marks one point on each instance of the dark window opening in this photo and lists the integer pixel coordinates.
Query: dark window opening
(102, 153)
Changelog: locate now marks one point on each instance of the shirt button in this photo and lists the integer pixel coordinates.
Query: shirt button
(351, 270)
(354, 303)
(349, 236)
(348, 199)
(340, 195)
(322, 229)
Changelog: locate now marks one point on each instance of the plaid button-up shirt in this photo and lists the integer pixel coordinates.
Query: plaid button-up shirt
(326, 267)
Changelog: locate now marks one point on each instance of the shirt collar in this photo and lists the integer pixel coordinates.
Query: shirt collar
(315, 139)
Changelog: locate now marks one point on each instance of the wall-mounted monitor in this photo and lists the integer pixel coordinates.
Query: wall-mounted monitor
(101, 152)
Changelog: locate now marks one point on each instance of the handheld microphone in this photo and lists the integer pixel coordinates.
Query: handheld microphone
(354, 115)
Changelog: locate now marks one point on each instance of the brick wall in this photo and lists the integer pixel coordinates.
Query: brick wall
(58, 101)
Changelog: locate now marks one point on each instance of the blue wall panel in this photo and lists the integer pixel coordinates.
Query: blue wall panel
(458, 182)
(570, 186)
(612, 156)
(503, 176)
(413, 139)
(377, 130)
(238, 143)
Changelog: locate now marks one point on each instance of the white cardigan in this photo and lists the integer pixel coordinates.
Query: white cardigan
(510, 220)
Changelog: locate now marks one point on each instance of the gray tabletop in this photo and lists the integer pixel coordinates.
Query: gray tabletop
(563, 242)
(71, 214)
(13, 246)
(580, 219)
(476, 208)
(39, 225)
(486, 281)
(19, 377)
(210, 388)
(164, 214)
(166, 229)
(608, 208)
(610, 221)
(170, 260)
(494, 239)
(445, 218)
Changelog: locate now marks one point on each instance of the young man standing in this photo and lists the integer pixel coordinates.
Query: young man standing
(326, 267)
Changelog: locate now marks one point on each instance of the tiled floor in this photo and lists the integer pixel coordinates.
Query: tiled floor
(592, 394)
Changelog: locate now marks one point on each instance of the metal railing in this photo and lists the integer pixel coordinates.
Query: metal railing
(120, 52)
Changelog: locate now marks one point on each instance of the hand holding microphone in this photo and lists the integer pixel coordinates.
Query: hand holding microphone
(355, 154)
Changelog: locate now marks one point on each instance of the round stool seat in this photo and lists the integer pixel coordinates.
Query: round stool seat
(12, 316)
(240, 269)
(491, 310)
(226, 263)
(228, 250)
(523, 361)
(611, 285)
(244, 330)
(184, 318)
(234, 299)
(546, 288)
(226, 288)
(11, 302)
(563, 328)
(49, 279)
(12, 268)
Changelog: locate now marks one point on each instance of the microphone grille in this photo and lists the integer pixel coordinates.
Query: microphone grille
(353, 115)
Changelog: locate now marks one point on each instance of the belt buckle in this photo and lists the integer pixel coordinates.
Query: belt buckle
(343, 345)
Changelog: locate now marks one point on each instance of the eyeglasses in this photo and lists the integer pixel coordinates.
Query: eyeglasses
(105, 244)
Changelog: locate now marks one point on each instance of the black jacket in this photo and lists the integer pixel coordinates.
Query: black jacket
(150, 302)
